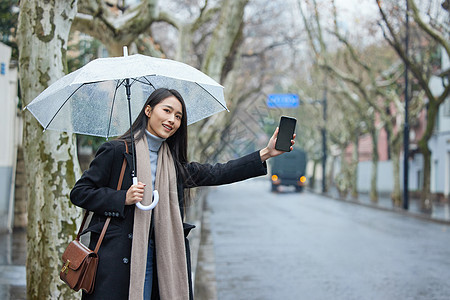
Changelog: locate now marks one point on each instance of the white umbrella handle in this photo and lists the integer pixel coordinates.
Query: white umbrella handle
(155, 199)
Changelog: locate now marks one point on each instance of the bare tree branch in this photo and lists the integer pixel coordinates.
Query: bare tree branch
(436, 35)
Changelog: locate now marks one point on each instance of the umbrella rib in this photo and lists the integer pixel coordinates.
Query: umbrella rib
(134, 80)
(121, 82)
(112, 109)
(143, 82)
(212, 96)
(65, 101)
(145, 77)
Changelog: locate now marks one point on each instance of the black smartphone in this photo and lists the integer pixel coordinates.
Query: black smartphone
(285, 133)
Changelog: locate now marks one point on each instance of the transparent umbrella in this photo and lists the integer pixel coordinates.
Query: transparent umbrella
(104, 97)
(93, 99)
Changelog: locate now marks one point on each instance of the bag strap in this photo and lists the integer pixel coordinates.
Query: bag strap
(82, 225)
(119, 185)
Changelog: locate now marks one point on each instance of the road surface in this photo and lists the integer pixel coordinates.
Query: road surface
(304, 246)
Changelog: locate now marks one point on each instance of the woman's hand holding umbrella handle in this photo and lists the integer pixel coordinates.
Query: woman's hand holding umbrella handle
(135, 195)
(270, 150)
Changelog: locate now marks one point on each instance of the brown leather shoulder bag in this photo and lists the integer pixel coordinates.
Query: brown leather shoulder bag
(79, 262)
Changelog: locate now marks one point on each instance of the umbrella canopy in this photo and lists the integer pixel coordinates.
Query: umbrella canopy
(93, 99)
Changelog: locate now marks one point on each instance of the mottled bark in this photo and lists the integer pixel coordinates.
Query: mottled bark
(50, 157)
(432, 111)
(395, 138)
(396, 147)
(224, 39)
(342, 180)
(184, 50)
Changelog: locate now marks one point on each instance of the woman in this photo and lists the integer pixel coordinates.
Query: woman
(145, 254)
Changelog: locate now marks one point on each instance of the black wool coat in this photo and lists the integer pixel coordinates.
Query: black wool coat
(96, 192)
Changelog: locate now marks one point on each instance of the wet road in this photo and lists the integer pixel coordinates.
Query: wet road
(305, 246)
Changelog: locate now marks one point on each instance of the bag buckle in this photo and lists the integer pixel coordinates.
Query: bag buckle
(65, 268)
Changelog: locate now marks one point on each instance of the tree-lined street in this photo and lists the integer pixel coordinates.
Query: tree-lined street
(371, 83)
(305, 246)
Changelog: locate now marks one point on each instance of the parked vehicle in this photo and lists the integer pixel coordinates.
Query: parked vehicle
(289, 169)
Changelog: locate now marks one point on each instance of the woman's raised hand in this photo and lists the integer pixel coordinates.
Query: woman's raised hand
(270, 150)
(135, 193)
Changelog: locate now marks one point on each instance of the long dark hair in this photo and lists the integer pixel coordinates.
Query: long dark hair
(177, 142)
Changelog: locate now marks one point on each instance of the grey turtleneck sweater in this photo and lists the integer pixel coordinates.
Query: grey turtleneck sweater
(154, 143)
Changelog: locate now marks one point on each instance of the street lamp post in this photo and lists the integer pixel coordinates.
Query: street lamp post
(406, 127)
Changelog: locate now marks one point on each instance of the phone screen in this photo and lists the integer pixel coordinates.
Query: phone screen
(285, 133)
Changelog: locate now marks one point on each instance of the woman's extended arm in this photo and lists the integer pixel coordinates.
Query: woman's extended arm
(248, 166)
(234, 170)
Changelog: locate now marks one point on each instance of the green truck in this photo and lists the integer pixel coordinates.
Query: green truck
(289, 169)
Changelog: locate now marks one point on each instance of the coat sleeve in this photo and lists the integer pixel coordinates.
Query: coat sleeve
(93, 191)
(235, 170)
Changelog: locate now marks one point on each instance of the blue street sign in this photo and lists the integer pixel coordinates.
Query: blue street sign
(282, 101)
(3, 68)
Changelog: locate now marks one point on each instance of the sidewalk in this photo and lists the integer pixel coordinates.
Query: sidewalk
(440, 212)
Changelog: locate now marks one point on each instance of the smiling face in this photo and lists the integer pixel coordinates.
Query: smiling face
(165, 118)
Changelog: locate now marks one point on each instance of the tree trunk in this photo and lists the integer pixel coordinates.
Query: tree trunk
(395, 157)
(224, 38)
(425, 199)
(395, 148)
(184, 48)
(354, 167)
(374, 172)
(115, 49)
(312, 179)
(342, 181)
(50, 157)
